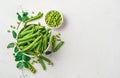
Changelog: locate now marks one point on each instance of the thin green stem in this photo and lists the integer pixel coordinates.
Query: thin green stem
(18, 25)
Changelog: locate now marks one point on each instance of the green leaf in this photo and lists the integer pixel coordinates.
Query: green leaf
(10, 45)
(16, 49)
(19, 56)
(25, 18)
(19, 17)
(25, 13)
(42, 63)
(14, 34)
(19, 65)
(25, 64)
(26, 58)
(48, 52)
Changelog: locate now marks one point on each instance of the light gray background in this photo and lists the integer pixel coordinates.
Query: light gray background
(91, 32)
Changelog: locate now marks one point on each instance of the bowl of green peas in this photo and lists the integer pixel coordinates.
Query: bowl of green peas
(54, 19)
(34, 39)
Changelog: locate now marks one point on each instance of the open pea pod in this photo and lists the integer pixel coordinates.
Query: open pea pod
(31, 68)
(40, 60)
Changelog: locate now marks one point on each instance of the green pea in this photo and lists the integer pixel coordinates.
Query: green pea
(53, 18)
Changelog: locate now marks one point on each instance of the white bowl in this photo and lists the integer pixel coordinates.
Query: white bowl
(58, 25)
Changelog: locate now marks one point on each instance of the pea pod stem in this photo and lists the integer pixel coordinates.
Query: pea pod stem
(18, 25)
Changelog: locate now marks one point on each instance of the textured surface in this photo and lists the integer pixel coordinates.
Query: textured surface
(91, 31)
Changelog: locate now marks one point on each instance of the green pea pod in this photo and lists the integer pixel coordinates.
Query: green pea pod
(39, 15)
(31, 53)
(35, 45)
(28, 43)
(45, 43)
(58, 46)
(27, 35)
(22, 47)
(28, 27)
(53, 42)
(30, 46)
(31, 68)
(47, 32)
(26, 32)
(24, 42)
(40, 46)
(48, 35)
(26, 38)
(44, 31)
(37, 49)
(42, 63)
(47, 60)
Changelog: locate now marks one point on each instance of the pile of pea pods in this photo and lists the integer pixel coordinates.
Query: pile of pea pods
(33, 39)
